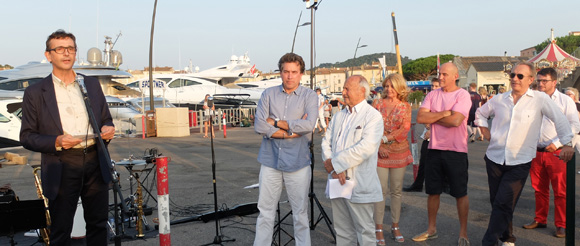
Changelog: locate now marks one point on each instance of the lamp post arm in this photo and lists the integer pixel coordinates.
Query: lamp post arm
(354, 57)
(296, 31)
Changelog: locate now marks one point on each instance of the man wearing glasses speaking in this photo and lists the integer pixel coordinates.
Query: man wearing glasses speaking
(55, 122)
(516, 129)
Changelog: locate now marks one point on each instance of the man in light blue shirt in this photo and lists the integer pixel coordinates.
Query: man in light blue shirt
(285, 117)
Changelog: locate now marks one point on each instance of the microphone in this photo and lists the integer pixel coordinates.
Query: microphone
(81, 80)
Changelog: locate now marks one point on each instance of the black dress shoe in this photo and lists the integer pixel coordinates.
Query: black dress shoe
(534, 225)
(413, 189)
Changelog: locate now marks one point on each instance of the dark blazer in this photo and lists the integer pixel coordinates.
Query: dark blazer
(41, 125)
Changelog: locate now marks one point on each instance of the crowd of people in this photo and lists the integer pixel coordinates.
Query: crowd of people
(365, 147)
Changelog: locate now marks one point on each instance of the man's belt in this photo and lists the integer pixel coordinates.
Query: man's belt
(543, 149)
(81, 149)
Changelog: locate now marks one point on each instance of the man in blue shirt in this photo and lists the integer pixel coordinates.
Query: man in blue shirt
(285, 117)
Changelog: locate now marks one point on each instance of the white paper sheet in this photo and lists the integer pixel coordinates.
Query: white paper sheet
(336, 190)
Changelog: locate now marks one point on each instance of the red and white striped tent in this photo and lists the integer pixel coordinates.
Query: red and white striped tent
(554, 56)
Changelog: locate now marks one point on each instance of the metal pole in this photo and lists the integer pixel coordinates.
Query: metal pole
(570, 201)
(354, 57)
(151, 101)
(296, 31)
(312, 72)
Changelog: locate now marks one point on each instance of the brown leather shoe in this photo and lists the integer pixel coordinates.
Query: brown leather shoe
(534, 225)
(560, 232)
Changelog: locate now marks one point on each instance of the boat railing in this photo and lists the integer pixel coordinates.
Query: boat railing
(233, 117)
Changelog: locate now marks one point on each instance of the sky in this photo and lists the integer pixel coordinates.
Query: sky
(209, 32)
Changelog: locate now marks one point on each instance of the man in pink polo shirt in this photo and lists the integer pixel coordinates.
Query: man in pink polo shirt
(446, 109)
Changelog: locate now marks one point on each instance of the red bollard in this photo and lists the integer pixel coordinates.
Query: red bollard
(190, 118)
(163, 200)
(224, 122)
(143, 127)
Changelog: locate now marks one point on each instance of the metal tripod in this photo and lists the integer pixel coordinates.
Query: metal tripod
(313, 198)
(219, 238)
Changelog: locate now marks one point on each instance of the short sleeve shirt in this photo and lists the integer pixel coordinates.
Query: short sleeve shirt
(448, 138)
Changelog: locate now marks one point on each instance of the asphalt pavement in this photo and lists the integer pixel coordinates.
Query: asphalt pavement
(191, 194)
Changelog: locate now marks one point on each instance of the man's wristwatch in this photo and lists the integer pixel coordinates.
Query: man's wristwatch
(276, 123)
(568, 144)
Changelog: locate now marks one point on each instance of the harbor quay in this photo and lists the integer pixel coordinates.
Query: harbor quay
(191, 194)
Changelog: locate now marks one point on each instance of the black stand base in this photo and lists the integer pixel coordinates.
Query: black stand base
(278, 229)
(321, 216)
(219, 240)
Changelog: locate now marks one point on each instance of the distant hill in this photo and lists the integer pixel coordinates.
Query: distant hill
(391, 60)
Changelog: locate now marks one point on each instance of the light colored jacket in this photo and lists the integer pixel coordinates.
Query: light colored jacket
(359, 156)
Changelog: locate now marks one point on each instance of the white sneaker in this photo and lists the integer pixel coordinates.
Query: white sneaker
(508, 244)
(32, 233)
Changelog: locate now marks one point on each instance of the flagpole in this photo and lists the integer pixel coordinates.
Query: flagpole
(438, 64)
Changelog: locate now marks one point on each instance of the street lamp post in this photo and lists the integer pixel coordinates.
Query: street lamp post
(296, 31)
(354, 57)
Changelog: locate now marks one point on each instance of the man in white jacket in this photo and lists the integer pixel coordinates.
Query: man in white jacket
(349, 151)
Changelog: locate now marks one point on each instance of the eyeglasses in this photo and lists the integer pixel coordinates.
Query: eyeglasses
(60, 50)
(543, 81)
(520, 76)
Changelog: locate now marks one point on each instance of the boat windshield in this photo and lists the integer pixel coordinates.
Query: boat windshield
(181, 83)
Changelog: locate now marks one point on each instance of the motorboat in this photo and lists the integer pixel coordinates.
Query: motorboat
(11, 113)
(121, 110)
(236, 68)
(187, 90)
(158, 102)
(10, 121)
(262, 84)
(4, 94)
(23, 76)
(105, 70)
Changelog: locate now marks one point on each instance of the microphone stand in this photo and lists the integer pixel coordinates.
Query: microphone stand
(312, 195)
(219, 238)
(102, 147)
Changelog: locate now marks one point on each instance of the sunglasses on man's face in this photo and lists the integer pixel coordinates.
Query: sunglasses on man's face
(520, 76)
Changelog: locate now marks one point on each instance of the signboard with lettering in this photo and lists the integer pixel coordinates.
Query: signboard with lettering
(157, 84)
(419, 83)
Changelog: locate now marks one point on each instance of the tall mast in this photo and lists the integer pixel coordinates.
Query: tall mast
(399, 64)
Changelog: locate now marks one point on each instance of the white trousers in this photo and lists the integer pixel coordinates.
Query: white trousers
(321, 119)
(297, 184)
(353, 222)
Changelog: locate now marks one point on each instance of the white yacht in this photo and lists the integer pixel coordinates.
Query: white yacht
(262, 84)
(105, 70)
(10, 121)
(236, 68)
(188, 90)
